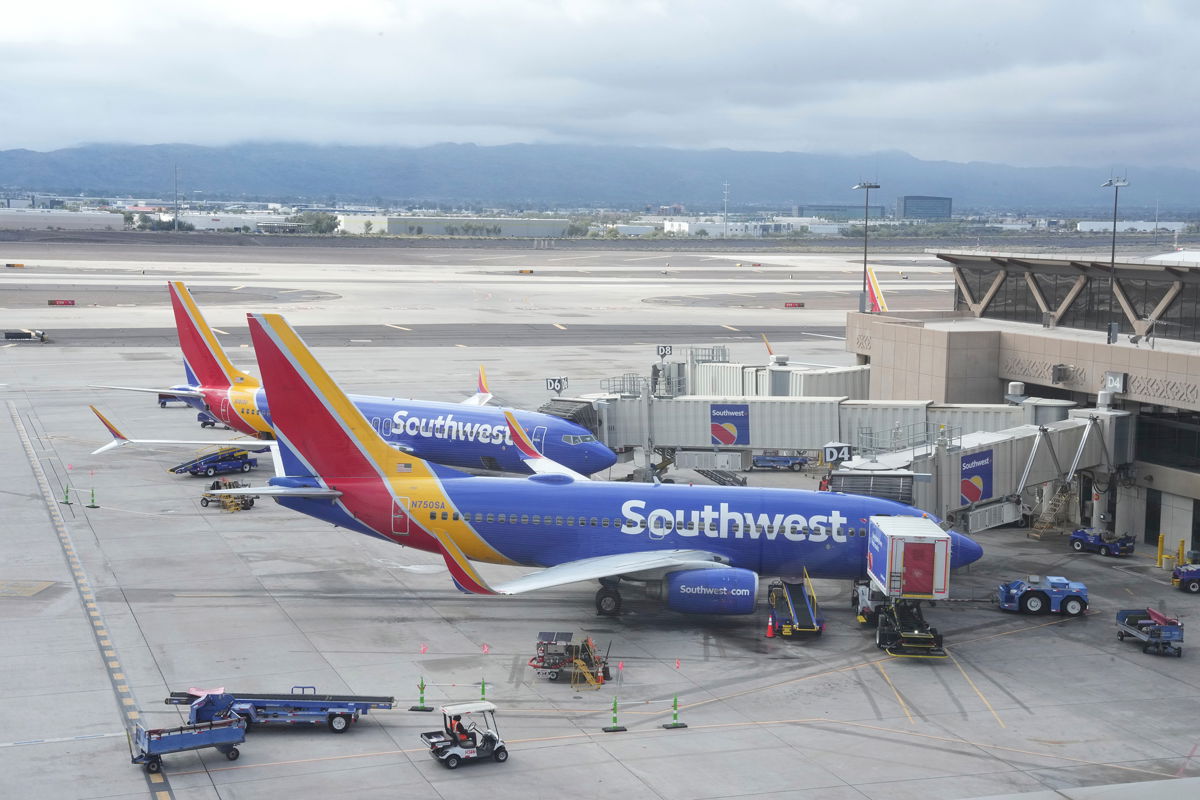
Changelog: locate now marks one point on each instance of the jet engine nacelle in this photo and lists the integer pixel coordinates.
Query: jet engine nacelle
(712, 591)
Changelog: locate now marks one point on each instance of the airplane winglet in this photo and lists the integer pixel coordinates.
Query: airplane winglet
(482, 393)
(533, 457)
(119, 438)
(461, 569)
(520, 438)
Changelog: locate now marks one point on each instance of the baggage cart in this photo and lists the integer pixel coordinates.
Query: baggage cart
(1158, 633)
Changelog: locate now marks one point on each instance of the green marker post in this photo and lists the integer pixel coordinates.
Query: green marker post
(615, 727)
(421, 701)
(675, 723)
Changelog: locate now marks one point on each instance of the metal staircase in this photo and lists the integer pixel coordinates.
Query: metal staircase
(1047, 521)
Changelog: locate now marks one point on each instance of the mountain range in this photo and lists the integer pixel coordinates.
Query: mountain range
(544, 176)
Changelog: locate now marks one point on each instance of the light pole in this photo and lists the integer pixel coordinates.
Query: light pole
(862, 297)
(1113, 325)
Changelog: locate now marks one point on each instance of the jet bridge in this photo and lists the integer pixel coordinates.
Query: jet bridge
(984, 480)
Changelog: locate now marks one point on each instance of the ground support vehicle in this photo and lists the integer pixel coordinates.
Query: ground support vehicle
(1038, 595)
(217, 461)
(302, 706)
(1187, 578)
(1105, 543)
(207, 420)
(1158, 633)
(866, 600)
(901, 630)
(460, 741)
(212, 723)
(764, 461)
(556, 653)
(228, 502)
(793, 609)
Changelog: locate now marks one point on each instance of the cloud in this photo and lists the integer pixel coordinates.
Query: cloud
(1076, 82)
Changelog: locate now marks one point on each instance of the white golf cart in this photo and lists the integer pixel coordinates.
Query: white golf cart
(462, 739)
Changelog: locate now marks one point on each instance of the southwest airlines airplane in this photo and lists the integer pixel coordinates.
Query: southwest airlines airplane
(468, 434)
(700, 548)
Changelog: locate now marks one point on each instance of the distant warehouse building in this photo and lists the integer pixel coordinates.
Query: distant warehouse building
(477, 226)
(919, 206)
(838, 212)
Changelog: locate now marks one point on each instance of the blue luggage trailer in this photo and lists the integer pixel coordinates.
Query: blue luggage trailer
(211, 723)
(301, 706)
(1158, 633)
(217, 461)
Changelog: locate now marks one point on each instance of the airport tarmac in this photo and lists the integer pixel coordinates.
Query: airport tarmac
(108, 609)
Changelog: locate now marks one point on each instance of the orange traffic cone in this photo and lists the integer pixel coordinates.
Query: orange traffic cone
(771, 626)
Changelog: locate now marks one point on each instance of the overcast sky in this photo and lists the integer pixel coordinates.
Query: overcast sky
(1103, 83)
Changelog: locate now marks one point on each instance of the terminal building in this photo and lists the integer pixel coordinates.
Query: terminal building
(1044, 323)
(1011, 407)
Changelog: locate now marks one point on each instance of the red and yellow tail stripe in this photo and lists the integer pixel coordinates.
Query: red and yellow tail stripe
(874, 293)
(481, 384)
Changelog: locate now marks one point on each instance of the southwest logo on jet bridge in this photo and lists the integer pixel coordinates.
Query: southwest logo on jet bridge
(445, 427)
(660, 522)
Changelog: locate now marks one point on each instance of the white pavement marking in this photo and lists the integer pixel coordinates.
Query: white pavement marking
(560, 327)
(64, 739)
(574, 258)
(731, 328)
(292, 291)
(491, 258)
(360, 340)
(218, 330)
(460, 345)
(646, 258)
(824, 336)
(397, 327)
(235, 288)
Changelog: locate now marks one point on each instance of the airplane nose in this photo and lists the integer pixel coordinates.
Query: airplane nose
(965, 551)
(602, 457)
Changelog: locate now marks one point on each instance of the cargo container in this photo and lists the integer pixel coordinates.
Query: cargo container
(909, 558)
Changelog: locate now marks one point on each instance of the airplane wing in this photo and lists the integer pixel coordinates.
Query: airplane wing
(584, 569)
(281, 491)
(530, 455)
(120, 440)
(482, 393)
(172, 392)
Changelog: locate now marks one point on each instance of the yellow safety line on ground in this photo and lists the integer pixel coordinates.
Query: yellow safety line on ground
(976, 688)
(895, 691)
(83, 588)
(1018, 630)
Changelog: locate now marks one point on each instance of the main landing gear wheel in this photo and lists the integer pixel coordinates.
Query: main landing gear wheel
(608, 602)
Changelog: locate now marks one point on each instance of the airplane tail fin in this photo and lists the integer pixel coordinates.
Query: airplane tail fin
(482, 393)
(875, 292)
(203, 357)
(320, 431)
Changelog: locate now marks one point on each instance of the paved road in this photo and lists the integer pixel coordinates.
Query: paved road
(467, 335)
